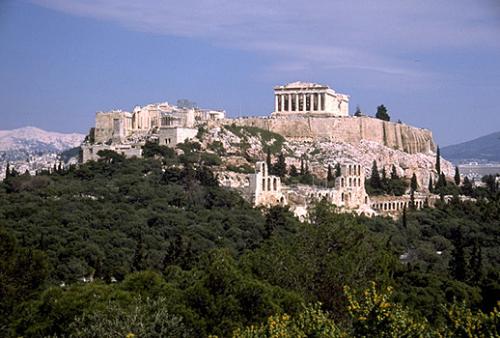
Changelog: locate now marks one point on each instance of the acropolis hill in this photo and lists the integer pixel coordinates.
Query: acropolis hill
(314, 124)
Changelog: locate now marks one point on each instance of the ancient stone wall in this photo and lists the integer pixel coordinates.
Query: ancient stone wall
(346, 129)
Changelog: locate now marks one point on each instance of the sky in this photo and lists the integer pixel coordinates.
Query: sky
(433, 63)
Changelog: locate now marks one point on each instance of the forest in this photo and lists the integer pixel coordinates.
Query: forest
(154, 247)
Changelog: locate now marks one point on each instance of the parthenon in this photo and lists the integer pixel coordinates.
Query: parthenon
(312, 99)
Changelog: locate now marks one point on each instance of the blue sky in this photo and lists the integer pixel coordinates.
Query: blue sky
(434, 64)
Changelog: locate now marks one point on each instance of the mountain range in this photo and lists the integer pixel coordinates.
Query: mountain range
(18, 144)
(485, 149)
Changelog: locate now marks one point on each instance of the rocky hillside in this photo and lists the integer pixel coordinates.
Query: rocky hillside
(483, 150)
(240, 146)
(350, 130)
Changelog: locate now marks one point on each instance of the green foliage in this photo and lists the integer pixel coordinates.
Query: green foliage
(194, 259)
(382, 113)
(152, 149)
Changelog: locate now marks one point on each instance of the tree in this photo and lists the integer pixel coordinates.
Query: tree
(431, 185)
(279, 168)
(394, 173)
(467, 188)
(302, 168)
(268, 161)
(412, 200)
(404, 219)
(358, 112)
(338, 170)
(438, 160)
(476, 262)
(293, 171)
(329, 174)
(458, 267)
(375, 181)
(139, 256)
(457, 176)
(382, 113)
(414, 182)
(7, 170)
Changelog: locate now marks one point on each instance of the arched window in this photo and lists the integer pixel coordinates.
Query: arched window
(343, 197)
(275, 184)
(350, 180)
(263, 184)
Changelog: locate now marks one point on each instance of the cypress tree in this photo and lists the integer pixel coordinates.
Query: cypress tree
(302, 169)
(268, 161)
(7, 170)
(457, 176)
(443, 179)
(412, 200)
(394, 173)
(329, 175)
(405, 221)
(338, 170)
(280, 166)
(375, 182)
(414, 183)
(457, 263)
(476, 262)
(467, 188)
(438, 160)
(293, 171)
(431, 186)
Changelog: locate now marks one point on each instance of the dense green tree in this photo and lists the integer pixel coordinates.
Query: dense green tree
(293, 171)
(458, 264)
(375, 181)
(358, 112)
(438, 161)
(414, 182)
(394, 173)
(382, 113)
(338, 170)
(279, 167)
(467, 188)
(457, 176)
(431, 185)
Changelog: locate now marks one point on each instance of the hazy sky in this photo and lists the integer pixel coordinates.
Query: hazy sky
(433, 63)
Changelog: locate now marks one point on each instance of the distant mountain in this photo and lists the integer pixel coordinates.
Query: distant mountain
(18, 144)
(483, 149)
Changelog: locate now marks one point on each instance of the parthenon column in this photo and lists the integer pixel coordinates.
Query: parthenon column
(320, 99)
(303, 102)
(289, 102)
(296, 102)
(275, 102)
(282, 102)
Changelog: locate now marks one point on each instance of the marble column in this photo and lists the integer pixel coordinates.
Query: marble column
(303, 102)
(282, 102)
(289, 102)
(296, 102)
(275, 102)
(320, 100)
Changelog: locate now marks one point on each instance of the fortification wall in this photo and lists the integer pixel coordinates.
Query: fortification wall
(346, 129)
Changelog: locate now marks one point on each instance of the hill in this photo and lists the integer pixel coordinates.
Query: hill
(482, 149)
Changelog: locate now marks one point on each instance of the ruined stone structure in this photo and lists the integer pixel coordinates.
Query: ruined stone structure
(265, 189)
(126, 132)
(309, 99)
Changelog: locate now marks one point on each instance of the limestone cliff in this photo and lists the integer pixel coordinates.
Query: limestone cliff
(350, 130)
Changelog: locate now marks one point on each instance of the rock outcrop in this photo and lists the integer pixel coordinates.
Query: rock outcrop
(350, 130)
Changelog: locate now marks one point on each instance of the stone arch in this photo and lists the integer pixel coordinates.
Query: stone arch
(343, 197)
(342, 182)
(350, 180)
(263, 184)
(275, 184)
(269, 184)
